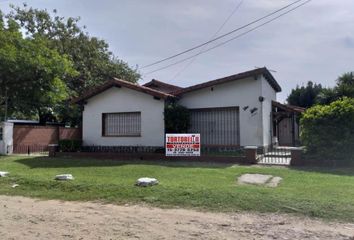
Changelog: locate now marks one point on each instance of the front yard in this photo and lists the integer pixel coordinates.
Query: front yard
(316, 192)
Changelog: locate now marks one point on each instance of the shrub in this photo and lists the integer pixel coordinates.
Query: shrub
(177, 118)
(68, 145)
(327, 131)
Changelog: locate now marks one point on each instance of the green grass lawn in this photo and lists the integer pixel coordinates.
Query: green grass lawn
(316, 192)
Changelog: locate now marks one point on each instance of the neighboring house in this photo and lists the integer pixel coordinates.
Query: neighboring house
(228, 112)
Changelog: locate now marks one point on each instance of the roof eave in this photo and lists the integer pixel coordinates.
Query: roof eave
(120, 83)
(257, 72)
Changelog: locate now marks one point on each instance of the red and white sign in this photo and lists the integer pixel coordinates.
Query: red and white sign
(183, 144)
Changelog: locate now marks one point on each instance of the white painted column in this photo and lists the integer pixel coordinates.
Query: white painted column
(6, 140)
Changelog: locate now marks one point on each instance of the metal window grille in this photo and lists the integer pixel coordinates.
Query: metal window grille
(122, 124)
(217, 126)
(1, 134)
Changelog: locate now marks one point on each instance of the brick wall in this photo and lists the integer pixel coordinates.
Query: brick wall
(43, 135)
(70, 133)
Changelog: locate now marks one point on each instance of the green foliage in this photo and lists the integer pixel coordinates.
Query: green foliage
(89, 57)
(304, 96)
(32, 74)
(343, 88)
(177, 118)
(328, 130)
(345, 85)
(326, 96)
(68, 145)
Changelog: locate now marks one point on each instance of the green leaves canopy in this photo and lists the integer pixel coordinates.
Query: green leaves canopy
(68, 46)
(304, 96)
(32, 75)
(90, 55)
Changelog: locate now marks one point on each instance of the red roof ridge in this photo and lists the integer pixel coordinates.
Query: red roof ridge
(259, 71)
(289, 107)
(162, 86)
(162, 83)
(115, 82)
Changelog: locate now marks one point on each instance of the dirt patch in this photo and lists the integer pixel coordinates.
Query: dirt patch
(25, 218)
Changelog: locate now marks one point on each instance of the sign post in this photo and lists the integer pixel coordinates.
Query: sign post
(183, 145)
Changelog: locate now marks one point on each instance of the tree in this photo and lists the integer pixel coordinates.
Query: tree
(344, 88)
(304, 96)
(90, 55)
(345, 85)
(32, 75)
(326, 96)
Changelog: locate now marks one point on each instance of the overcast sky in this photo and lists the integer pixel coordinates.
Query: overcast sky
(315, 42)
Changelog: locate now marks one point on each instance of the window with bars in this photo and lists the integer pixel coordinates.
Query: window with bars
(127, 124)
(1, 134)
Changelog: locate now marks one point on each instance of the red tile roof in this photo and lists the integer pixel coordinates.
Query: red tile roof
(253, 73)
(289, 108)
(120, 83)
(164, 90)
(162, 87)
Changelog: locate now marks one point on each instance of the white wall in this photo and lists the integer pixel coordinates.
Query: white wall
(241, 93)
(6, 145)
(269, 95)
(124, 100)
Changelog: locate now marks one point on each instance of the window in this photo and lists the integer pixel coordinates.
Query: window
(121, 124)
(1, 134)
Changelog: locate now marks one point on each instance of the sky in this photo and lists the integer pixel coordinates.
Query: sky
(314, 42)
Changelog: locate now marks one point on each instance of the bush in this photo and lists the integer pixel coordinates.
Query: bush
(68, 145)
(177, 118)
(327, 131)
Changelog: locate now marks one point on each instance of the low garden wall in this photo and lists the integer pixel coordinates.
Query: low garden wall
(28, 138)
(152, 156)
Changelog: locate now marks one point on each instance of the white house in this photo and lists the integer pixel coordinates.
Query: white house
(232, 111)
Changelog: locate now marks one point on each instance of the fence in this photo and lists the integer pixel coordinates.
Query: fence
(35, 139)
(276, 156)
(30, 149)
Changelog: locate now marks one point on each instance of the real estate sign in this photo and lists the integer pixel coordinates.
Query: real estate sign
(183, 144)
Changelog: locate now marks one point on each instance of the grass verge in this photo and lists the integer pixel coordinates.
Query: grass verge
(315, 192)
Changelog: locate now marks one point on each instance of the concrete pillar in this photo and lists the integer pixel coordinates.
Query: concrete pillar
(6, 141)
(251, 154)
(52, 148)
(296, 157)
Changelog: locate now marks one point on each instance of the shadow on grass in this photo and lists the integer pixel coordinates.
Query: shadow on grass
(66, 162)
(341, 170)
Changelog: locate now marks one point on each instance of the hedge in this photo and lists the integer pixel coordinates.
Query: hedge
(327, 131)
(68, 145)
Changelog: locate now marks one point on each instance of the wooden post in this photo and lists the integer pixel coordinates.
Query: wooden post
(293, 128)
(251, 154)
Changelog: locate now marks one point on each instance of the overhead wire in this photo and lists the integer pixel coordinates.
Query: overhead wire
(213, 36)
(229, 40)
(222, 36)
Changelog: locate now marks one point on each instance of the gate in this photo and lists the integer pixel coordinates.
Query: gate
(276, 156)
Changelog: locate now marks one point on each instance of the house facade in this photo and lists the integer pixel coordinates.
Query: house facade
(234, 111)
